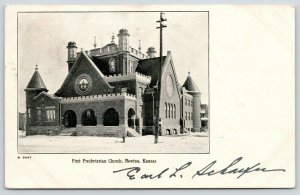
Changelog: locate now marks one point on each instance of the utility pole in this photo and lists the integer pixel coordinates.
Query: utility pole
(158, 120)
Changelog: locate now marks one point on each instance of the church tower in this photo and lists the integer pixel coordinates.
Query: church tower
(123, 40)
(192, 89)
(151, 52)
(71, 54)
(35, 86)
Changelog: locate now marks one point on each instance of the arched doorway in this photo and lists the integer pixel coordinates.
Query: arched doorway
(168, 132)
(175, 131)
(70, 119)
(88, 118)
(111, 117)
(131, 118)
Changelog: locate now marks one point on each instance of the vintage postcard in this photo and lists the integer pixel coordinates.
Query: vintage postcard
(150, 96)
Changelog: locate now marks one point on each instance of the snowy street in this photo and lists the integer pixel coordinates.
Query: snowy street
(194, 143)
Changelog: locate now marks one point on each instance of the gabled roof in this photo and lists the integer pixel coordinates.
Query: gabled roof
(149, 67)
(190, 85)
(83, 55)
(36, 82)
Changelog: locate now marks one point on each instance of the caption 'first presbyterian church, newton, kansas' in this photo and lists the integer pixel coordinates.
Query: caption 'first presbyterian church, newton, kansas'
(109, 92)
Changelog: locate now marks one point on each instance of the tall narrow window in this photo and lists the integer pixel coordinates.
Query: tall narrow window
(172, 110)
(166, 110)
(140, 91)
(185, 101)
(131, 69)
(169, 111)
(50, 115)
(141, 110)
(28, 112)
(39, 114)
(189, 116)
(185, 115)
(112, 65)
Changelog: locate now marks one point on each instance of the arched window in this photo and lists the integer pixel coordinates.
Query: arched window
(131, 118)
(112, 65)
(166, 110)
(172, 110)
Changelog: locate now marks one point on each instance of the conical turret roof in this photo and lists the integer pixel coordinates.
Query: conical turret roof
(36, 82)
(190, 85)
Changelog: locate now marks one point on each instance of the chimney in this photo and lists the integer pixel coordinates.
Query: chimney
(151, 52)
(71, 54)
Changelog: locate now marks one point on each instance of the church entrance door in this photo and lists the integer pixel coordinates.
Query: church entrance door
(70, 119)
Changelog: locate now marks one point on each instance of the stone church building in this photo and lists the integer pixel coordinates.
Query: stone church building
(109, 91)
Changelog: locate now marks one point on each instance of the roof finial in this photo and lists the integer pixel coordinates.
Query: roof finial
(189, 71)
(140, 47)
(113, 38)
(95, 43)
(36, 67)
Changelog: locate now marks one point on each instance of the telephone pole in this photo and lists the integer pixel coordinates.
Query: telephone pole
(158, 120)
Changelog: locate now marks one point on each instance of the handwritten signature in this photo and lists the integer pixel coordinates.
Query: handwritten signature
(135, 172)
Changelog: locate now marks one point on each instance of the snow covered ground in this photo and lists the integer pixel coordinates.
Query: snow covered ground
(193, 143)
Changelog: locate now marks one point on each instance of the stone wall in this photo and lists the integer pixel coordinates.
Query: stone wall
(99, 130)
(43, 130)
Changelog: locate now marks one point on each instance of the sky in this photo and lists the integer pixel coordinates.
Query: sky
(43, 37)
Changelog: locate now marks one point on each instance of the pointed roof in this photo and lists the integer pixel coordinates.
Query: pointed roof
(36, 82)
(190, 85)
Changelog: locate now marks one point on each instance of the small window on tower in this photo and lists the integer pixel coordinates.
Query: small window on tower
(28, 112)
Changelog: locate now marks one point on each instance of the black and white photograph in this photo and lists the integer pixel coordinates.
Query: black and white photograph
(113, 82)
(149, 96)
